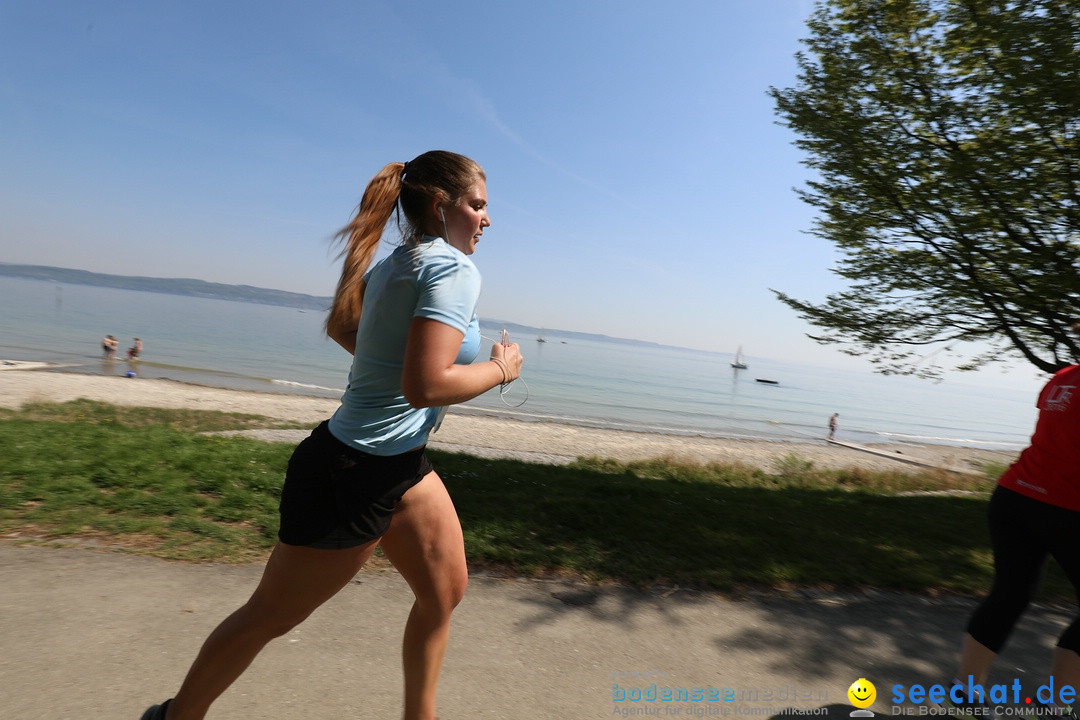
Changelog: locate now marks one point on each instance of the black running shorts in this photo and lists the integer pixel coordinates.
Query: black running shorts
(338, 497)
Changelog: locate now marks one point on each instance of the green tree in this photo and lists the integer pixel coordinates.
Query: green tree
(943, 136)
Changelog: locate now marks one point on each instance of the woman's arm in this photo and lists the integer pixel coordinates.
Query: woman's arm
(431, 378)
(344, 331)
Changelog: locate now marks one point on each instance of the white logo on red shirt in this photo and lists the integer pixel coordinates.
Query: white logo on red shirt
(1059, 397)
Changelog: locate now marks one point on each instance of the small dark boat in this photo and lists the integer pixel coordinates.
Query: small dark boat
(768, 382)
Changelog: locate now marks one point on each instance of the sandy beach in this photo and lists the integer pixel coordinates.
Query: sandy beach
(22, 383)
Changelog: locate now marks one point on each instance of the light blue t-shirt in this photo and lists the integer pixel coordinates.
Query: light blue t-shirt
(432, 280)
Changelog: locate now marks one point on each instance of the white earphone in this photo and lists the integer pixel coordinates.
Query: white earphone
(446, 232)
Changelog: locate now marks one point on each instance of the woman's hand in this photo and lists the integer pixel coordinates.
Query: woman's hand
(510, 357)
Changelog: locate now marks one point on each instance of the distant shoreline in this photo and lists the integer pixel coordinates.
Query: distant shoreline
(477, 434)
(185, 287)
(190, 287)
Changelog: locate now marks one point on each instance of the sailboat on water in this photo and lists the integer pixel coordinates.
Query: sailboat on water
(738, 363)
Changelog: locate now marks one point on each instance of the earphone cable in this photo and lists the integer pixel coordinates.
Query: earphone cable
(504, 388)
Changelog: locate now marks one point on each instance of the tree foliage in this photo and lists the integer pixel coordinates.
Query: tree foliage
(943, 135)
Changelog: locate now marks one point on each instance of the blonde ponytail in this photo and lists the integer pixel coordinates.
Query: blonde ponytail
(361, 239)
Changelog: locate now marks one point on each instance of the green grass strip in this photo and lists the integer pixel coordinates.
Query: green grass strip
(150, 480)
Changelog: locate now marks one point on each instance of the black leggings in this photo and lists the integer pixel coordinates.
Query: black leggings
(1023, 532)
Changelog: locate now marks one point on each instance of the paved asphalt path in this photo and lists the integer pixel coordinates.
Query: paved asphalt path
(96, 634)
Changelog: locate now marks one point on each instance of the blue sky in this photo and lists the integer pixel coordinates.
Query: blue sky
(639, 185)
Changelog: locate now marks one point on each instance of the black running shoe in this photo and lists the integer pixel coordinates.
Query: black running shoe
(156, 712)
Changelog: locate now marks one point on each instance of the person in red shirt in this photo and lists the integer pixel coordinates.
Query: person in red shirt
(1034, 512)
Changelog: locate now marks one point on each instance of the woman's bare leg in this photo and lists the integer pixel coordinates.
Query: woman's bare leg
(426, 545)
(975, 660)
(296, 581)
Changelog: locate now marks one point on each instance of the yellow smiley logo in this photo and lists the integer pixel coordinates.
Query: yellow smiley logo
(862, 693)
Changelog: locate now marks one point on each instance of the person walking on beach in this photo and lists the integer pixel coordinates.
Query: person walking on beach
(108, 347)
(361, 478)
(135, 350)
(834, 423)
(1034, 512)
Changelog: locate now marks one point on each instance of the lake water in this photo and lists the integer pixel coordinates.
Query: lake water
(590, 382)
